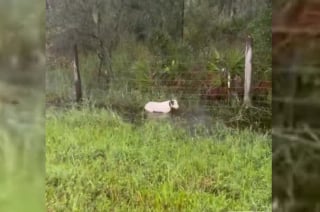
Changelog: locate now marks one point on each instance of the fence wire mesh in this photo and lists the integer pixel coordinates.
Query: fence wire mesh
(197, 94)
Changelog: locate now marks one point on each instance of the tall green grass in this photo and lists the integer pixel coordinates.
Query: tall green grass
(97, 162)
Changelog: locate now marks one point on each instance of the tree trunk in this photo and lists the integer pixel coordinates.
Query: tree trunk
(102, 58)
(182, 20)
(248, 72)
(76, 75)
(293, 83)
(48, 5)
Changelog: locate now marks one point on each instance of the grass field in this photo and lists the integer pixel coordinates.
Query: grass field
(97, 162)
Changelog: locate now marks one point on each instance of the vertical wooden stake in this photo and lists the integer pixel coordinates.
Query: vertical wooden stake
(248, 72)
(229, 86)
(182, 21)
(76, 75)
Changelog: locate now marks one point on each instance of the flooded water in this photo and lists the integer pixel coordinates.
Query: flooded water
(195, 119)
(201, 121)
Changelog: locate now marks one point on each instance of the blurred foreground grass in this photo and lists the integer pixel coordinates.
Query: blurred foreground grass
(22, 129)
(22, 149)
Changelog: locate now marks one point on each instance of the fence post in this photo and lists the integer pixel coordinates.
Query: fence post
(247, 72)
(228, 85)
(76, 75)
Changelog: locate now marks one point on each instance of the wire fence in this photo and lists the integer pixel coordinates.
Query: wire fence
(199, 98)
(195, 87)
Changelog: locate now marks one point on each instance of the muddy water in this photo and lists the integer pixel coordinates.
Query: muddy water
(196, 119)
(201, 121)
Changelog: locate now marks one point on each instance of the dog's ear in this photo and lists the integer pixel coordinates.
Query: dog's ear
(171, 103)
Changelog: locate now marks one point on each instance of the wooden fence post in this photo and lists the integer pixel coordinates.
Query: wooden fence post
(248, 72)
(76, 75)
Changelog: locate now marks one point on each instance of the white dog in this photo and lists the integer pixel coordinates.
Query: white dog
(161, 107)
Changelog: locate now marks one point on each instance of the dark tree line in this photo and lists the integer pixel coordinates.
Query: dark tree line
(170, 29)
(99, 25)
